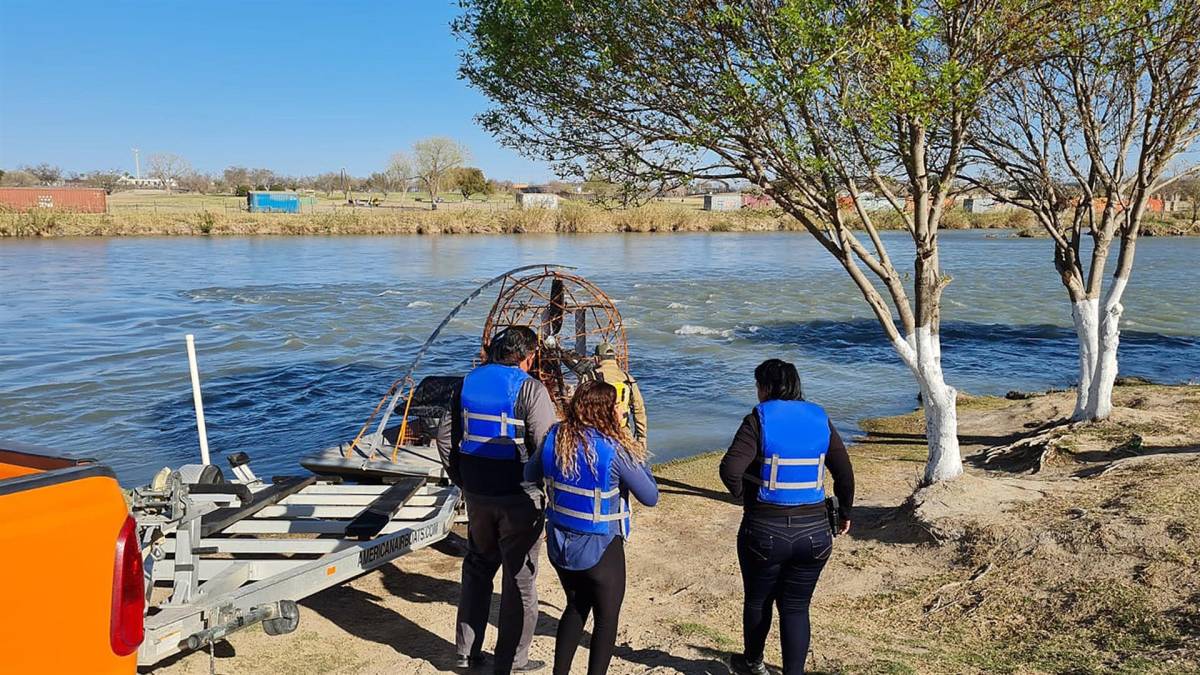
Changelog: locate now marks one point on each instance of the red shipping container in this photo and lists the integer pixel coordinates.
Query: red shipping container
(79, 200)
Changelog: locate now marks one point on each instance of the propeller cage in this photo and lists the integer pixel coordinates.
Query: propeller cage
(570, 310)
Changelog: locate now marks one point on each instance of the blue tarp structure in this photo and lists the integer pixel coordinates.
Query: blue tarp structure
(273, 202)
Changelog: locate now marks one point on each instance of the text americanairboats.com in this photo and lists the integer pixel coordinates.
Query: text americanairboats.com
(397, 543)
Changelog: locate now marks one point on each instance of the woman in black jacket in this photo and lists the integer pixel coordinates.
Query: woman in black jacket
(776, 465)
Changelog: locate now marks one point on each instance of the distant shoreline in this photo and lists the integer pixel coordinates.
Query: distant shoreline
(569, 219)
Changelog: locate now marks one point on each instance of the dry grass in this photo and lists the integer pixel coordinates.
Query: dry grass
(1099, 574)
(195, 217)
(571, 218)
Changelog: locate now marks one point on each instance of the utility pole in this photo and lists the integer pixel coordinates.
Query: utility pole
(137, 165)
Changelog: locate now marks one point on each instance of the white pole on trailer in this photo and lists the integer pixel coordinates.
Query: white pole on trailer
(191, 350)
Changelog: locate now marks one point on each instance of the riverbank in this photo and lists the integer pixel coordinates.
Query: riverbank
(571, 218)
(1088, 565)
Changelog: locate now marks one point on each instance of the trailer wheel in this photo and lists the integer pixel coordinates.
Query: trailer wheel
(285, 622)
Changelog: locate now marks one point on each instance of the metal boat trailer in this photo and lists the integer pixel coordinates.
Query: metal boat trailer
(220, 556)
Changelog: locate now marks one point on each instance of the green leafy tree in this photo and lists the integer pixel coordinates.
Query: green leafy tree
(469, 180)
(810, 100)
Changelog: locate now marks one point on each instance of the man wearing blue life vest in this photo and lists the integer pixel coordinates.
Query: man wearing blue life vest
(590, 464)
(496, 424)
(776, 465)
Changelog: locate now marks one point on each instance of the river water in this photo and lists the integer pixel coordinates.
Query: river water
(298, 337)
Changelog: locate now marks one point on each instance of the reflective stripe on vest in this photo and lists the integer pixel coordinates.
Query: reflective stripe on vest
(510, 428)
(490, 427)
(587, 503)
(794, 441)
(598, 496)
(773, 482)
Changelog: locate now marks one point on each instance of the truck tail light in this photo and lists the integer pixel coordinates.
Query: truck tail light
(126, 629)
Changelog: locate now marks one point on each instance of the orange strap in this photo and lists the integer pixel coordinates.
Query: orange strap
(412, 389)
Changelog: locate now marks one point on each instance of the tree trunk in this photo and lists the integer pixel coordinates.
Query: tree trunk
(922, 352)
(1105, 375)
(1086, 316)
(941, 425)
(941, 411)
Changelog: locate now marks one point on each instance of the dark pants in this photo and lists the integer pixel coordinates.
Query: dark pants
(502, 534)
(781, 560)
(599, 590)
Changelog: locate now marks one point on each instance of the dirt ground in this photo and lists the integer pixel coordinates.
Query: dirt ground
(1065, 548)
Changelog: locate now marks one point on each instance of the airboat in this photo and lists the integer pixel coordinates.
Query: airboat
(570, 315)
(221, 554)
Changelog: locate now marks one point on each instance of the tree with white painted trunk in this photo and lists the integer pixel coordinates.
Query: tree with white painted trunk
(1085, 139)
(828, 106)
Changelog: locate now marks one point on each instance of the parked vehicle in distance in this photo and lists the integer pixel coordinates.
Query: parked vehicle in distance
(71, 569)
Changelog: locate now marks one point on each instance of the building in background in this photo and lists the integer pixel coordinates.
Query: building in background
(147, 183)
(73, 199)
(986, 204)
(731, 201)
(273, 202)
(537, 200)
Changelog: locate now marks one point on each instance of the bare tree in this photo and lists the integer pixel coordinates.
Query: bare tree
(168, 168)
(433, 160)
(194, 181)
(262, 179)
(46, 174)
(399, 171)
(236, 176)
(1083, 140)
(811, 102)
(109, 181)
(1190, 190)
(18, 178)
(328, 182)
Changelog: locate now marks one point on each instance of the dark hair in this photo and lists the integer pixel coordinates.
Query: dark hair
(510, 346)
(779, 380)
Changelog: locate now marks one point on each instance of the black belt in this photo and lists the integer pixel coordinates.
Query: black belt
(809, 520)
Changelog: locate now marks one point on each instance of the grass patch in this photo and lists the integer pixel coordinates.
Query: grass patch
(1080, 626)
(968, 402)
(692, 630)
(885, 667)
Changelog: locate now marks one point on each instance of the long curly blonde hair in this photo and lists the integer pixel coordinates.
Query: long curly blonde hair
(594, 406)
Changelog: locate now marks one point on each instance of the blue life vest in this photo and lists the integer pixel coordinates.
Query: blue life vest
(590, 503)
(794, 440)
(489, 396)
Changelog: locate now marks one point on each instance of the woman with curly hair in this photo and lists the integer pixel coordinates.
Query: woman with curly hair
(591, 464)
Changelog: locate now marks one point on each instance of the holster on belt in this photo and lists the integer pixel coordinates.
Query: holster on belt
(834, 513)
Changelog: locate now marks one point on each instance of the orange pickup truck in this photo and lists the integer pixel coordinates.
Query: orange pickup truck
(72, 593)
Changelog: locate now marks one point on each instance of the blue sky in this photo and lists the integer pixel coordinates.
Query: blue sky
(297, 87)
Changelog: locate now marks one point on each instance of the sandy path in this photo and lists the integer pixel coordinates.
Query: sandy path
(878, 607)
